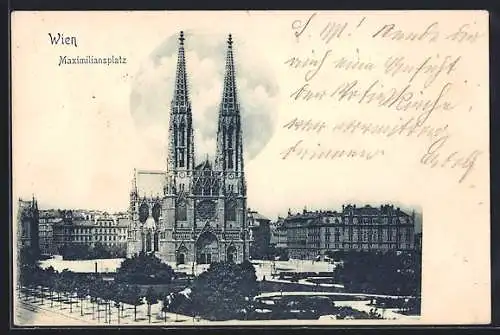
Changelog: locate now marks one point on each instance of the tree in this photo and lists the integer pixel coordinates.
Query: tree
(82, 290)
(28, 268)
(95, 292)
(51, 274)
(110, 293)
(166, 304)
(59, 288)
(224, 291)
(274, 252)
(151, 299)
(144, 269)
(283, 254)
(124, 295)
(382, 273)
(100, 251)
(120, 296)
(37, 281)
(68, 286)
(132, 295)
(173, 303)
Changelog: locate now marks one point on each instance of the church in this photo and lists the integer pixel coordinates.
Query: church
(195, 212)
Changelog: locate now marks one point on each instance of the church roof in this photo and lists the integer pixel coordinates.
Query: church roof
(149, 183)
(205, 165)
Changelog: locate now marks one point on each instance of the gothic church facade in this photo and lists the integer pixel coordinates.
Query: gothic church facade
(194, 212)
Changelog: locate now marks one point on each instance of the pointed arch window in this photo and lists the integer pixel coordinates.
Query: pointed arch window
(155, 242)
(148, 242)
(176, 140)
(230, 161)
(143, 212)
(206, 189)
(156, 212)
(143, 241)
(231, 211)
(181, 211)
(181, 157)
(230, 138)
(182, 134)
(230, 151)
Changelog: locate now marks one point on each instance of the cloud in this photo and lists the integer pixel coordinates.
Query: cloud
(152, 92)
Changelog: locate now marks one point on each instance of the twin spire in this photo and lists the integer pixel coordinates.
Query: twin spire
(229, 150)
(229, 102)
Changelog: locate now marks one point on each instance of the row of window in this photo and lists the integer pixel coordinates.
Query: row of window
(376, 246)
(329, 231)
(353, 238)
(95, 230)
(97, 238)
(301, 253)
(356, 220)
(105, 223)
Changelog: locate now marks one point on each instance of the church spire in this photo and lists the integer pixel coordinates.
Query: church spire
(229, 104)
(181, 96)
(181, 141)
(229, 137)
(133, 189)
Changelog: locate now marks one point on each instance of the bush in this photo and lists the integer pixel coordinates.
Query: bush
(178, 303)
(225, 291)
(274, 252)
(381, 273)
(144, 269)
(84, 251)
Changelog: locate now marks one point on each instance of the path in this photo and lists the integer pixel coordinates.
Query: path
(32, 313)
(277, 294)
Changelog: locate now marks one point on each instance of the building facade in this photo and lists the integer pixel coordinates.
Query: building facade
(278, 234)
(27, 226)
(313, 234)
(90, 229)
(48, 219)
(259, 235)
(194, 212)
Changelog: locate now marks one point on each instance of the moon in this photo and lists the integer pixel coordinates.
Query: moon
(152, 90)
